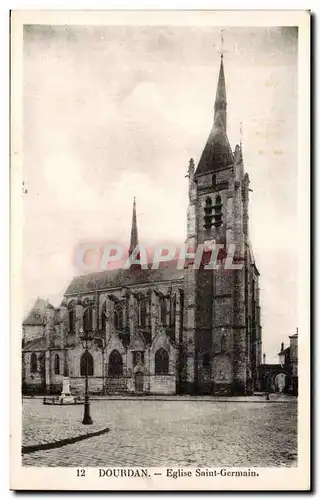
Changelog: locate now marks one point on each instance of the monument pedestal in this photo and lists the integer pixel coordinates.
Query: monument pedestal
(66, 396)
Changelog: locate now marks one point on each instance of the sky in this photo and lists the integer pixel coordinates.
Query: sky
(113, 112)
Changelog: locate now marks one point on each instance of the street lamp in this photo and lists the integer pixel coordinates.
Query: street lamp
(86, 340)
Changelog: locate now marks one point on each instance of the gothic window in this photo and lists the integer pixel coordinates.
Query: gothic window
(223, 343)
(86, 364)
(161, 362)
(115, 366)
(143, 313)
(118, 318)
(214, 180)
(42, 363)
(103, 317)
(208, 213)
(33, 363)
(218, 212)
(163, 311)
(206, 360)
(57, 364)
(87, 319)
(72, 320)
(173, 311)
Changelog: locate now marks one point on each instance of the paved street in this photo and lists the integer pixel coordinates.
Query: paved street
(46, 424)
(178, 433)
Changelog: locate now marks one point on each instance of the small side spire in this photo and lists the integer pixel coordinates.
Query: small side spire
(134, 229)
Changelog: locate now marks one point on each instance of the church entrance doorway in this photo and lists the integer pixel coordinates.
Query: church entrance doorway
(138, 382)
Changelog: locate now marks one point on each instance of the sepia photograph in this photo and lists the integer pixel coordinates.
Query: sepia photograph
(160, 337)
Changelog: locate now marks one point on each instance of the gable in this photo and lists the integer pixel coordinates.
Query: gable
(115, 343)
(137, 343)
(161, 339)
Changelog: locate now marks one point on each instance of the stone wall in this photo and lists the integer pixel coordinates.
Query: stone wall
(77, 385)
(30, 332)
(162, 384)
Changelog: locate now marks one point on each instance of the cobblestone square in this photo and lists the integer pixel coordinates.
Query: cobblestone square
(192, 433)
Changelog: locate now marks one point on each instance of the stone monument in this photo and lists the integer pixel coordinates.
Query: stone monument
(66, 396)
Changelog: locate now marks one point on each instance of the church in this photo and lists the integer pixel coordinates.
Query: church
(166, 330)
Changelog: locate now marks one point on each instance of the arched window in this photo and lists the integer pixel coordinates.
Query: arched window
(104, 317)
(214, 180)
(115, 365)
(173, 306)
(87, 319)
(161, 362)
(206, 360)
(57, 364)
(218, 212)
(86, 364)
(143, 313)
(41, 361)
(208, 208)
(33, 363)
(72, 320)
(118, 318)
(223, 343)
(163, 311)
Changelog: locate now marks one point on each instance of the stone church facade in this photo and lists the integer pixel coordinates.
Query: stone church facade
(166, 330)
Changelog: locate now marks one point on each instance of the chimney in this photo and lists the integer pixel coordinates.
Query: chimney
(282, 346)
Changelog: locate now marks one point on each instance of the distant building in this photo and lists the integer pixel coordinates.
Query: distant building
(282, 377)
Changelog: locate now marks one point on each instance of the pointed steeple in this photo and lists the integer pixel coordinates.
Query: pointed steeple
(217, 152)
(220, 105)
(134, 229)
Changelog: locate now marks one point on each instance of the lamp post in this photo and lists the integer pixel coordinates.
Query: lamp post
(86, 340)
(267, 393)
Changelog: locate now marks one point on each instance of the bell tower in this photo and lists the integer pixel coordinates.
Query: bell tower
(217, 323)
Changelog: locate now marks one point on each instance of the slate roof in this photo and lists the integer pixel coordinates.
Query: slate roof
(38, 344)
(217, 153)
(116, 278)
(37, 313)
(284, 351)
(221, 95)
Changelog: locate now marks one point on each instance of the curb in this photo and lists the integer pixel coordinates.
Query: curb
(62, 442)
(192, 400)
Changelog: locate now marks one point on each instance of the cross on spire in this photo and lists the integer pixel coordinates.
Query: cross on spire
(221, 43)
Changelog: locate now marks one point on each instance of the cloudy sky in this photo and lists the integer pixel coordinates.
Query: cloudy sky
(113, 112)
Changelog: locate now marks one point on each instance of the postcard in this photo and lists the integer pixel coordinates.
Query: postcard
(160, 218)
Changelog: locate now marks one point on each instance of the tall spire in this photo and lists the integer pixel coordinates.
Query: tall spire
(134, 229)
(220, 105)
(217, 152)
